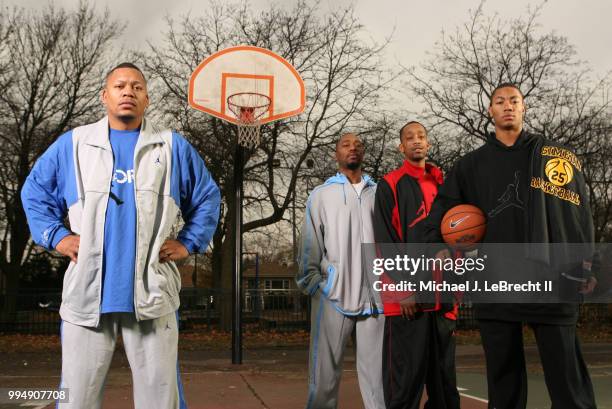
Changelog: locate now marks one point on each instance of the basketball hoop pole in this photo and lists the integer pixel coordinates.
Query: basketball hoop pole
(247, 86)
(248, 107)
(237, 279)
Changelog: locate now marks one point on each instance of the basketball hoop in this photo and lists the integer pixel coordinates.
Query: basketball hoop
(248, 108)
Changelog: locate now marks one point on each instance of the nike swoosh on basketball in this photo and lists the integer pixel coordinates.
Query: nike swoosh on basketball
(458, 222)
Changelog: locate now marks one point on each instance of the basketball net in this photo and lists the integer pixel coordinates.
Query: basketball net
(248, 107)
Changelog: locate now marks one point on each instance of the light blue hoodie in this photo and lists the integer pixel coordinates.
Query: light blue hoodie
(336, 223)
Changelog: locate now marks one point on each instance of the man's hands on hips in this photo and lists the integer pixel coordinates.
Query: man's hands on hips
(69, 246)
(172, 250)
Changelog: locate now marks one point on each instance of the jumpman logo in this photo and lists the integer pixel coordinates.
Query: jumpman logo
(157, 161)
(421, 214)
(510, 198)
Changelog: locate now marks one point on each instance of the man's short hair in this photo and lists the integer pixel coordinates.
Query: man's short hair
(343, 134)
(410, 123)
(505, 85)
(124, 65)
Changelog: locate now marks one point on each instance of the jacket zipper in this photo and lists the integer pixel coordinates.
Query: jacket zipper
(373, 308)
(108, 183)
(135, 298)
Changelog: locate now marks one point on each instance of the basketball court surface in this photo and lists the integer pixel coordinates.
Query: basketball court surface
(277, 379)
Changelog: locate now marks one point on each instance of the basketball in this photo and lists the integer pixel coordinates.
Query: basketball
(463, 226)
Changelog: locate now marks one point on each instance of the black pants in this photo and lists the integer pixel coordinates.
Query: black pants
(418, 353)
(565, 373)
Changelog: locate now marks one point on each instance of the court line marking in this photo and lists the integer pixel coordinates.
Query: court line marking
(474, 397)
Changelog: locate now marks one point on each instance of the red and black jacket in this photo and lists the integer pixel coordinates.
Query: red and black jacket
(415, 188)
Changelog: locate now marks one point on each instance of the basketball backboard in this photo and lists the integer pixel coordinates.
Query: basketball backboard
(246, 70)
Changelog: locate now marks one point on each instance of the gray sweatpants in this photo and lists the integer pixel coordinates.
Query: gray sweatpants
(329, 332)
(151, 349)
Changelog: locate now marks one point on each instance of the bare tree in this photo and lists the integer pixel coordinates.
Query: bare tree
(343, 76)
(5, 33)
(52, 65)
(563, 102)
(598, 175)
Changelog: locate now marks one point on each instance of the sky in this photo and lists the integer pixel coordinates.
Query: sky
(418, 24)
(414, 26)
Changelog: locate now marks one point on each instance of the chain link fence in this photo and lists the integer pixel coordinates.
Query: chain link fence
(37, 312)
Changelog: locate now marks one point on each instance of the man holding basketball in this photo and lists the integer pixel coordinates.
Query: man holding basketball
(338, 220)
(419, 344)
(509, 179)
(122, 182)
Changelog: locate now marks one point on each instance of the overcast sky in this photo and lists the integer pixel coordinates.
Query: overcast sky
(418, 24)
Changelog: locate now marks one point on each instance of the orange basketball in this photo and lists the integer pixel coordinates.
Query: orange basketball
(463, 226)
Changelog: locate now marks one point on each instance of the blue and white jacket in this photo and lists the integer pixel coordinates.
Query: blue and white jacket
(336, 223)
(73, 177)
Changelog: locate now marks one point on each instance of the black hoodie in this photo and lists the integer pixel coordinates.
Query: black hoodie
(525, 201)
